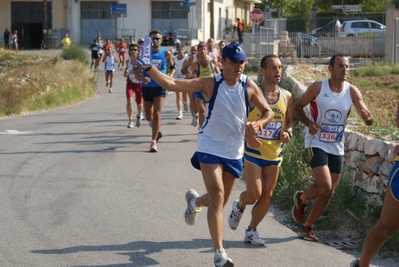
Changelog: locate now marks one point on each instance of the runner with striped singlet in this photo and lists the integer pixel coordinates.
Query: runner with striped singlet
(204, 66)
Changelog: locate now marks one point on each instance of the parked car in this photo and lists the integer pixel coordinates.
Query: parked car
(361, 28)
(328, 29)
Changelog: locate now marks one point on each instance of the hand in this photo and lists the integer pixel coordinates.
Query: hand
(140, 63)
(284, 137)
(251, 130)
(313, 128)
(146, 80)
(366, 116)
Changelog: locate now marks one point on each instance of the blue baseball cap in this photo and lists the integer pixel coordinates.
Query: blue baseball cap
(234, 52)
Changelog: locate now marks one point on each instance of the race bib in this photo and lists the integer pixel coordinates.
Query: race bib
(271, 131)
(331, 133)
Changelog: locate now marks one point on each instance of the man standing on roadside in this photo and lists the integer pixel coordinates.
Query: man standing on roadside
(66, 41)
(6, 38)
(153, 94)
(240, 30)
(262, 164)
(330, 102)
(388, 224)
(219, 155)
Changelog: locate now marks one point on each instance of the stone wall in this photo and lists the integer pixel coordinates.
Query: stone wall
(367, 160)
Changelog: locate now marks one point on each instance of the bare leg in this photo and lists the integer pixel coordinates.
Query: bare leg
(387, 225)
(201, 111)
(156, 116)
(218, 185)
(259, 211)
(129, 108)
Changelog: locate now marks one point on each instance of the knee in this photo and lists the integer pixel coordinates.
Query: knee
(253, 195)
(216, 199)
(385, 230)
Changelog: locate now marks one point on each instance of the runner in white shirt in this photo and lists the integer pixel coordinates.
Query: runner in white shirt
(179, 60)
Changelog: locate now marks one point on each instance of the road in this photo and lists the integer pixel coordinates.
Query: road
(78, 188)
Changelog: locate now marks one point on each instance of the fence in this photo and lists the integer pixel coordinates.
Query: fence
(297, 44)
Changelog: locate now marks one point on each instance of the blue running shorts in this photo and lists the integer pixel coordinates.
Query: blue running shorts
(260, 163)
(393, 181)
(233, 166)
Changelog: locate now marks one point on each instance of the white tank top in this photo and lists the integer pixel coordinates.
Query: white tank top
(109, 63)
(330, 110)
(222, 133)
(179, 65)
(130, 73)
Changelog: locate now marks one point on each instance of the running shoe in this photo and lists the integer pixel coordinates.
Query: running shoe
(153, 147)
(190, 214)
(235, 215)
(130, 125)
(185, 106)
(138, 122)
(355, 263)
(180, 116)
(299, 208)
(159, 136)
(252, 236)
(194, 121)
(221, 259)
(110, 90)
(307, 233)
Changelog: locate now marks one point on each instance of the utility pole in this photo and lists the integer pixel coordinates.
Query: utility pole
(45, 30)
(212, 20)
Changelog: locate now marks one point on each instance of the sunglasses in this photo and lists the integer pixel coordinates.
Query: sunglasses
(155, 38)
(134, 50)
(274, 67)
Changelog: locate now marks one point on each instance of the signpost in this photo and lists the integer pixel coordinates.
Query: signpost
(117, 10)
(348, 8)
(256, 16)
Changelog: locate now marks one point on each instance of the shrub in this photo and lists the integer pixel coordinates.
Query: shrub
(74, 52)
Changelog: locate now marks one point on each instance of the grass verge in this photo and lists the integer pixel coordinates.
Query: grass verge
(32, 83)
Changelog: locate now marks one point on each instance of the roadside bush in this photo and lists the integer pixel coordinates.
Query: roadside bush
(75, 53)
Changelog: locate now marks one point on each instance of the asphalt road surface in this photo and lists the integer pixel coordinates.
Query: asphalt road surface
(78, 188)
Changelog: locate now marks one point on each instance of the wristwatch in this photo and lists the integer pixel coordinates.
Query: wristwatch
(147, 69)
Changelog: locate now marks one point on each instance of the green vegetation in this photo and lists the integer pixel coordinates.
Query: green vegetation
(74, 52)
(31, 82)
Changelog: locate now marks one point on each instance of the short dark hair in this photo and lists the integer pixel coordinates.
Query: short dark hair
(133, 45)
(155, 31)
(332, 59)
(263, 60)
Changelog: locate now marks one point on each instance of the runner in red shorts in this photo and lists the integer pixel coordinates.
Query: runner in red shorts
(133, 87)
(121, 52)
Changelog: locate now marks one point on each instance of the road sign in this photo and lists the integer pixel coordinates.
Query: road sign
(119, 9)
(348, 8)
(256, 16)
(187, 4)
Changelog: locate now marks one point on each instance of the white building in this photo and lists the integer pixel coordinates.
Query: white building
(87, 19)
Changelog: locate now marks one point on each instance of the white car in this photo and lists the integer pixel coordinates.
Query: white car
(361, 28)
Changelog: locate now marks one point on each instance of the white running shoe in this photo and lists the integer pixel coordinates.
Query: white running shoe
(235, 215)
(153, 147)
(110, 90)
(190, 214)
(180, 116)
(221, 259)
(130, 125)
(252, 236)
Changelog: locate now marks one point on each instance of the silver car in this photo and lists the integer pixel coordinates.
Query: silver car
(361, 28)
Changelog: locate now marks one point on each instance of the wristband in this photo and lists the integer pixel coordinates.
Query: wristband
(260, 125)
(289, 133)
(147, 69)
